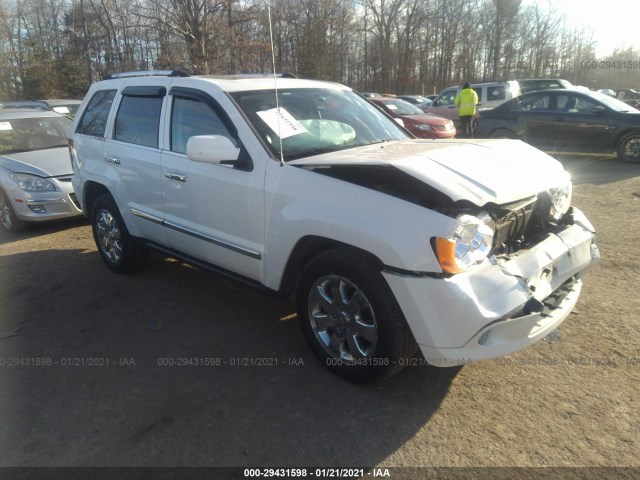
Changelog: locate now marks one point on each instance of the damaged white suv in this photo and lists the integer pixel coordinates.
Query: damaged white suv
(467, 250)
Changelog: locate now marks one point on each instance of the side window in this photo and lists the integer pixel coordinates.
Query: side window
(94, 117)
(478, 91)
(535, 103)
(574, 104)
(447, 98)
(191, 117)
(138, 120)
(496, 93)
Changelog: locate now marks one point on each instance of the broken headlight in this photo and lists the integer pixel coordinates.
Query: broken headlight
(469, 244)
(560, 201)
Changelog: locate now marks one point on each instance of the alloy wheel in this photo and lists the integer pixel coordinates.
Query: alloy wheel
(109, 236)
(342, 318)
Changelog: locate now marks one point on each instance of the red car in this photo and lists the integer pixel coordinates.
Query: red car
(422, 125)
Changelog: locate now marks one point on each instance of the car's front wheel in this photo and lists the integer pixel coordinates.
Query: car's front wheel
(502, 133)
(629, 148)
(350, 318)
(116, 246)
(8, 218)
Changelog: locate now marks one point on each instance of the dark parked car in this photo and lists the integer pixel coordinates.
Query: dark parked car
(422, 125)
(536, 84)
(567, 120)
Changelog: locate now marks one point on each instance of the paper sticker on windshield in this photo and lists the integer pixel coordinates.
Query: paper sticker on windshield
(282, 123)
(4, 126)
(61, 109)
(392, 107)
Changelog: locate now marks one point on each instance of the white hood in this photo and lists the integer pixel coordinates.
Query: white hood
(481, 171)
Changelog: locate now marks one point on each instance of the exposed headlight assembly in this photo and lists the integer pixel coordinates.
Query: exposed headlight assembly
(560, 201)
(32, 183)
(470, 243)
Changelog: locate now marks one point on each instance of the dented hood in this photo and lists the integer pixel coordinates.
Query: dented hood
(480, 171)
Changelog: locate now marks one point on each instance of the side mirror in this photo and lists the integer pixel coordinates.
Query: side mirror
(211, 149)
(599, 110)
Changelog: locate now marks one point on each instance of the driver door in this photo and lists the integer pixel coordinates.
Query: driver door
(213, 212)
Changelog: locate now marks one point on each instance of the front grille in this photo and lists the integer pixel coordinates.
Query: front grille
(73, 198)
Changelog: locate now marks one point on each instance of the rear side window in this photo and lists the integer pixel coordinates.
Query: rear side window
(479, 93)
(138, 120)
(94, 117)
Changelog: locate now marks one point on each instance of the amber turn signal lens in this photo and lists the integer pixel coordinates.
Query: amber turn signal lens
(446, 252)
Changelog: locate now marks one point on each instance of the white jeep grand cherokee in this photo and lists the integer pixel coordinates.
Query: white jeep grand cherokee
(467, 250)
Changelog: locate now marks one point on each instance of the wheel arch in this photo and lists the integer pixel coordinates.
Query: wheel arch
(305, 250)
(507, 129)
(91, 191)
(624, 133)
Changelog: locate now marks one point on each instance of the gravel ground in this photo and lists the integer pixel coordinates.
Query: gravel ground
(101, 392)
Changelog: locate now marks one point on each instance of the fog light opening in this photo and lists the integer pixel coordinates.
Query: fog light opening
(38, 208)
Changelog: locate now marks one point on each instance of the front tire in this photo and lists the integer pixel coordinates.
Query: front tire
(350, 318)
(629, 148)
(116, 246)
(502, 133)
(9, 221)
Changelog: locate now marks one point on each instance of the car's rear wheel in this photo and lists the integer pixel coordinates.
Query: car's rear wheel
(116, 246)
(9, 221)
(502, 133)
(629, 148)
(350, 317)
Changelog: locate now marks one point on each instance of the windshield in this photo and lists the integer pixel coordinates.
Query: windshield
(401, 107)
(28, 134)
(613, 103)
(312, 121)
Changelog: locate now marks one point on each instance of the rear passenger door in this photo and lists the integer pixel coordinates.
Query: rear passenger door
(133, 153)
(214, 213)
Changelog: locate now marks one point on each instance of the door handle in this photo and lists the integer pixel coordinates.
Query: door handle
(114, 160)
(560, 119)
(176, 176)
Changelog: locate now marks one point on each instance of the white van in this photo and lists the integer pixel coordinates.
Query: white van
(490, 95)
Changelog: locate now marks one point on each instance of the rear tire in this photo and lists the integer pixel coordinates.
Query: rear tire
(350, 318)
(502, 133)
(629, 148)
(116, 246)
(9, 221)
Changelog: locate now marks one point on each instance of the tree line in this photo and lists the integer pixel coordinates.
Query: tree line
(57, 48)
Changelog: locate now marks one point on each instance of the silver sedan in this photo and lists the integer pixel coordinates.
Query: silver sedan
(35, 170)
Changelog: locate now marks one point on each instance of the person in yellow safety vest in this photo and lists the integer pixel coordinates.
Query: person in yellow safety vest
(466, 101)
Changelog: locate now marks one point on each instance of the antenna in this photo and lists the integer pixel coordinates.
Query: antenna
(275, 85)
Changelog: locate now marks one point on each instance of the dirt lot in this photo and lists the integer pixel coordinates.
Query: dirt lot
(103, 393)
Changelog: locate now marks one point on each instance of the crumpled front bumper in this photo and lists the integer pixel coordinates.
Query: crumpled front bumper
(501, 307)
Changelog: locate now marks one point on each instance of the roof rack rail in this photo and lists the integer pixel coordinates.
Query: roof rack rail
(254, 75)
(147, 73)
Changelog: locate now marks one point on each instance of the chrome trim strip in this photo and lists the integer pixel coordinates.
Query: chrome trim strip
(56, 201)
(215, 241)
(146, 216)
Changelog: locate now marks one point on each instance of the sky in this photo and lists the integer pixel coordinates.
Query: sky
(614, 22)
